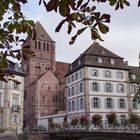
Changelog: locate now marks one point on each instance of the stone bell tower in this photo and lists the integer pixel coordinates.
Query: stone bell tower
(44, 50)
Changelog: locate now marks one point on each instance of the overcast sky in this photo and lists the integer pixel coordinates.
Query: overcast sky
(123, 37)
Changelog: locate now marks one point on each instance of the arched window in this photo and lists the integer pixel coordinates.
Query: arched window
(48, 47)
(39, 45)
(35, 44)
(44, 46)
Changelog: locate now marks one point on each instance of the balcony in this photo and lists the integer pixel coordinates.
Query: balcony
(15, 108)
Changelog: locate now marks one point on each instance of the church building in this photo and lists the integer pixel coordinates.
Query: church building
(44, 80)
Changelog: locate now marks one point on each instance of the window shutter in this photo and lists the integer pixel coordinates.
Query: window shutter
(125, 105)
(105, 103)
(118, 103)
(97, 73)
(91, 102)
(111, 87)
(118, 88)
(117, 74)
(91, 72)
(112, 102)
(105, 87)
(91, 86)
(99, 102)
(123, 88)
(98, 84)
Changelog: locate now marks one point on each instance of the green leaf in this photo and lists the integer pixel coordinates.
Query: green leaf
(64, 8)
(112, 2)
(59, 26)
(81, 30)
(103, 28)
(79, 3)
(95, 35)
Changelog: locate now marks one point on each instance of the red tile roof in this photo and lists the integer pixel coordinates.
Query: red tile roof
(61, 70)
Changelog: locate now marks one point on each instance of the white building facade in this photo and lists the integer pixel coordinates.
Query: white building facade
(11, 102)
(98, 83)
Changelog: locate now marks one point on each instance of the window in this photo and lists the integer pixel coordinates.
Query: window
(119, 75)
(72, 78)
(95, 87)
(1, 119)
(81, 74)
(69, 106)
(107, 74)
(108, 87)
(120, 88)
(96, 102)
(77, 104)
(100, 60)
(39, 45)
(68, 80)
(44, 46)
(15, 85)
(133, 89)
(112, 61)
(81, 103)
(1, 84)
(73, 105)
(68, 92)
(81, 87)
(134, 105)
(48, 47)
(72, 90)
(49, 87)
(109, 103)
(122, 103)
(43, 98)
(93, 73)
(123, 119)
(0, 99)
(15, 100)
(35, 44)
(76, 76)
(14, 119)
(77, 89)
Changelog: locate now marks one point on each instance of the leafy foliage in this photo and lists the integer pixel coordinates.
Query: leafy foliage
(134, 119)
(97, 119)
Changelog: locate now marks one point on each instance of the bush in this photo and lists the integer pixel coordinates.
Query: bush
(134, 119)
(74, 121)
(97, 119)
(112, 118)
(84, 120)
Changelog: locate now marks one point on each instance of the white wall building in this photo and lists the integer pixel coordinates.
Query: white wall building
(98, 83)
(11, 101)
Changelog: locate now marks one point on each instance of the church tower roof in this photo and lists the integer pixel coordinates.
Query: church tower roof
(39, 33)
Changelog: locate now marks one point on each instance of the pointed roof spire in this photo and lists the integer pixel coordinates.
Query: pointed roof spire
(41, 34)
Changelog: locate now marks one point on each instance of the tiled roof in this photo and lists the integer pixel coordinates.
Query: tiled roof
(136, 71)
(61, 70)
(98, 50)
(92, 54)
(39, 33)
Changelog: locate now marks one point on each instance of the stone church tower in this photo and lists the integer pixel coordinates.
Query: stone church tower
(44, 50)
(44, 81)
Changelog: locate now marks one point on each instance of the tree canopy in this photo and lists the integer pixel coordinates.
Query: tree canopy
(74, 12)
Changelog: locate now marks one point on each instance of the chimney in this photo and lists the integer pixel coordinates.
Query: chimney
(126, 63)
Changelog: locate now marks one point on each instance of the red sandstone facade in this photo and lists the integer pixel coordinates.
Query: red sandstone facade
(45, 86)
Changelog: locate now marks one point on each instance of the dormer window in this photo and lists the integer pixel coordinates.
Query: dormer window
(102, 52)
(100, 60)
(133, 76)
(79, 62)
(112, 61)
